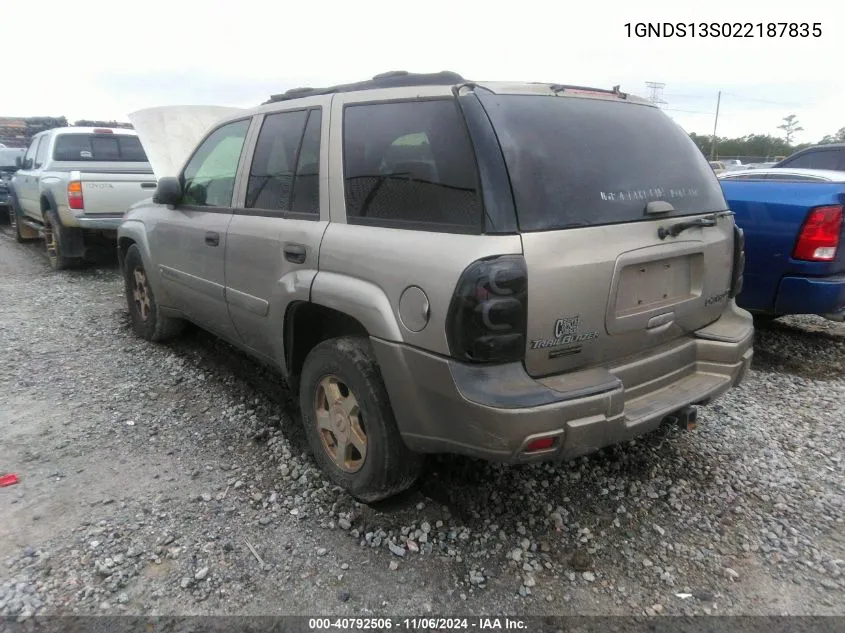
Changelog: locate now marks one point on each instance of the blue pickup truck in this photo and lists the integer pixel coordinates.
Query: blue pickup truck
(793, 224)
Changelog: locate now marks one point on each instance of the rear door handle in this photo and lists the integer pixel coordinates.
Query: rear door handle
(212, 238)
(295, 253)
(148, 185)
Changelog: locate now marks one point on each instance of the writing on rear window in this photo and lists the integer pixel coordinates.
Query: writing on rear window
(576, 162)
(649, 194)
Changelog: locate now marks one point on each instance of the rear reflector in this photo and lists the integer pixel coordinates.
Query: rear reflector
(540, 444)
(74, 195)
(819, 237)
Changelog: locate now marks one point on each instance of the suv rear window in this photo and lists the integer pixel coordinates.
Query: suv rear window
(586, 162)
(99, 147)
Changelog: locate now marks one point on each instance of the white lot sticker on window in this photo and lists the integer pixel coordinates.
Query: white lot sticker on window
(658, 193)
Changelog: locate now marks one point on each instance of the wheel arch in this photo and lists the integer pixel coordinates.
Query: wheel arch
(132, 232)
(47, 200)
(308, 324)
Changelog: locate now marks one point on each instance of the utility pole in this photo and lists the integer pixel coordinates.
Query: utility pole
(655, 92)
(715, 123)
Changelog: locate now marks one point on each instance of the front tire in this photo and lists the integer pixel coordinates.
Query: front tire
(147, 320)
(350, 424)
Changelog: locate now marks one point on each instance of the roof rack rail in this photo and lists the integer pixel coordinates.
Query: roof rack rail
(613, 91)
(391, 79)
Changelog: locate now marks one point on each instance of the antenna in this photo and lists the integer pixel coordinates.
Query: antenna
(655, 92)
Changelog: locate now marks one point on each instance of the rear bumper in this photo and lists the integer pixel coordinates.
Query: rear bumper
(95, 222)
(494, 412)
(811, 295)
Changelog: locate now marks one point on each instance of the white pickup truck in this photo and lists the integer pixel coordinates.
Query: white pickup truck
(73, 187)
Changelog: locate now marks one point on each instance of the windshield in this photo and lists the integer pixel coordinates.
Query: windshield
(99, 147)
(586, 162)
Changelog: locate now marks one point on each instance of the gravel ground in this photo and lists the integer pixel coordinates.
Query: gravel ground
(174, 480)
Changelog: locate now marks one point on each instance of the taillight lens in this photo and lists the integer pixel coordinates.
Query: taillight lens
(819, 236)
(488, 314)
(737, 276)
(74, 195)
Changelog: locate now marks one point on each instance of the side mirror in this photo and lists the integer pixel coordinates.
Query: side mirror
(18, 162)
(168, 191)
(196, 193)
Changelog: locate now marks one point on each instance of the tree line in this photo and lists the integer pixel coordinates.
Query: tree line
(763, 144)
(34, 125)
(758, 144)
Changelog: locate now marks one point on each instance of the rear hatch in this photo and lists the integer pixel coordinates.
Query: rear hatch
(594, 180)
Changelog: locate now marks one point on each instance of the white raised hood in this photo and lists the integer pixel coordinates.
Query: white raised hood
(170, 133)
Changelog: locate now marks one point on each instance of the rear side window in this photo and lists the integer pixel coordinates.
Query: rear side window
(794, 177)
(585, 162)
(99, 148)
(410, 165)
(41, 154)
(822, 159)
(284, 175)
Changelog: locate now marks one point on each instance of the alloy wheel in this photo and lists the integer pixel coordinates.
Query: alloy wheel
(51, 241)
(141, 293)
(340, 424)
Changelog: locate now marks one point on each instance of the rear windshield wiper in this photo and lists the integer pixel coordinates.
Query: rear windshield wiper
(676, 229)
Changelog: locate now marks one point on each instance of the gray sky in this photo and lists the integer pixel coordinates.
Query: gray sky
(94, 59)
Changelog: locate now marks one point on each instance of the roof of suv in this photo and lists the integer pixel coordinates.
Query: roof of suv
(404, 79)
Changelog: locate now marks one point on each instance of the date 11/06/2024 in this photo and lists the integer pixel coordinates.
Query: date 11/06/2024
(417, 624)
(723, 29)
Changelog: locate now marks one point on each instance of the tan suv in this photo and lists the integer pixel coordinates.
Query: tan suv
(513, 271)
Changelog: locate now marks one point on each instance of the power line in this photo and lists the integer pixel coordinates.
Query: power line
(783, 103)
(689, 111)
(680, 96)
(735, 96)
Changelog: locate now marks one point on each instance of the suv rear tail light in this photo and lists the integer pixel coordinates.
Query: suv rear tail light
(489, 310)
(819, 237)
(74, 195)
(100, 130)
(737, 276)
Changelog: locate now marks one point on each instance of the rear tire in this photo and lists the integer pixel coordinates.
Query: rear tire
(147, 320)
(350, 424)
(53, 231)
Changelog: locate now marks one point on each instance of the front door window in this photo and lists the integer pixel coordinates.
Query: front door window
(209, 177)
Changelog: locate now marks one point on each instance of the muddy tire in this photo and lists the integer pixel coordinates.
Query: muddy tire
(21, 236)
(53, 231)
(147, 320)
(350, 424)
